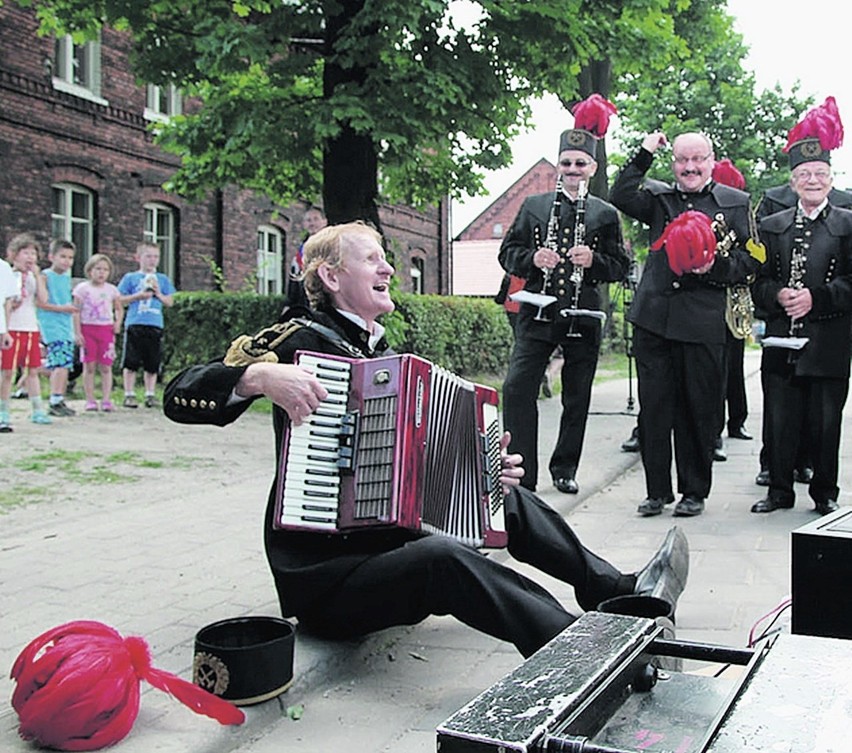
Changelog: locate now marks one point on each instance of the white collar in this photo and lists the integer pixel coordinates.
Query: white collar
(378, 330)
(813, 215)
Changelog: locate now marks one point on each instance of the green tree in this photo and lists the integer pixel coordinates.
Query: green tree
(358, 99)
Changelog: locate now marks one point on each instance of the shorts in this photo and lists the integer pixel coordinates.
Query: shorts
(60, 355)
(24, 352)
(98, 344)
(143, 348)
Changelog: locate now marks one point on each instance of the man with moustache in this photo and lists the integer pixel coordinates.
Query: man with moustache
(805, 291)
(525, 253)
(342, 585)
(679, 329)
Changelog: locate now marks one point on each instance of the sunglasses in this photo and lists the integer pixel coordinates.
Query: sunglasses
(577, 162)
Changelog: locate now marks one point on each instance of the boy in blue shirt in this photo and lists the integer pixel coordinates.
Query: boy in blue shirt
(144, 292)
(55, 319)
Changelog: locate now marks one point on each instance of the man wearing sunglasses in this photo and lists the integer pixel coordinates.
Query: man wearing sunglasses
(547, 265)
(679, 329)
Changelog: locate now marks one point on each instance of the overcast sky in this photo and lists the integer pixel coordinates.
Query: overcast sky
(804, 41)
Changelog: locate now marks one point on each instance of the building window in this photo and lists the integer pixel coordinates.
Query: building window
(162, 102)
(77, 68)
(160, 228)
(497, 230)
(417, 269)
(72, 218)
(270, 262)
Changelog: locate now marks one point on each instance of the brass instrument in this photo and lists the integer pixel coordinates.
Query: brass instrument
(739, 306)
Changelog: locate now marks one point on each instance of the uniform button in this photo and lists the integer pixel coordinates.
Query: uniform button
(212, 405)
(561, 292)
(193, 403)
(676, 284)
(183, 402)
(202, 404)
(176, 400)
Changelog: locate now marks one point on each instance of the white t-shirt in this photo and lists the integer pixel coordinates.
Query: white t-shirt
(8, 289)
(23, 318)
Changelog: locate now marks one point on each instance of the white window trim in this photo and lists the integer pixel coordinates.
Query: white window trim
(175, 99)
(262, 279)
(83, 92)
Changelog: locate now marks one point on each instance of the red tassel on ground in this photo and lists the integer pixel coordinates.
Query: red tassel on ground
(77, 687)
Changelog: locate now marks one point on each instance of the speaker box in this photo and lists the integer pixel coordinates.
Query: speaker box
(822, 576)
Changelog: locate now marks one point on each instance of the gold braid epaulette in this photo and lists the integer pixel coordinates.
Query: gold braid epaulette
(259, 348)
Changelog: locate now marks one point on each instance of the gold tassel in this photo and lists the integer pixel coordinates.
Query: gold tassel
(260, 348)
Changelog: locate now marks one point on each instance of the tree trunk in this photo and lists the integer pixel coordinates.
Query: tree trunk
(350, 162)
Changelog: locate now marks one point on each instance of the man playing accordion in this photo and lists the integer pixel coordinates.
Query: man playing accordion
(345, 585)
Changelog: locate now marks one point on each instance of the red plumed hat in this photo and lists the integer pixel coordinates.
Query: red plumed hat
(815, 135)
(689, 240)
(77, 687)
(591, 120)
(726, 173)
(593, 114)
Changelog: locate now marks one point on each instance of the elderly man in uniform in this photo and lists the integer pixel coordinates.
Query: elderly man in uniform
(341, 585)
(805, 291)
(679, 329)
(570, 268)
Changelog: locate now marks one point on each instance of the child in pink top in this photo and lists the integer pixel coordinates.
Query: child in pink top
(98, 321)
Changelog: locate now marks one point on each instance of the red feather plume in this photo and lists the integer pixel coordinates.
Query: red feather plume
(593, 114)
(77, 687)
(823, 123)
(689, 240)
(726, 173)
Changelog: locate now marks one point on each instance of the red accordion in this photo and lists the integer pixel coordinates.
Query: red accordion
(399, 442)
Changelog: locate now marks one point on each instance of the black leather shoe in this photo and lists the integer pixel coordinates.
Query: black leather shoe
(829, 506)
(653, 505)
(803, 476)
(665, 574)
(566, 485)
(631, 444)
(739, 433)
(689, 507)
(770, 505)
(762, 478)
(719, 454)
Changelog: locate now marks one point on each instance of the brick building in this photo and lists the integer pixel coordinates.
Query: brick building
(79, 162)
(476, 271)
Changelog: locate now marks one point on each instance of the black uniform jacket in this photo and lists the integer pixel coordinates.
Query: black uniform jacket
(528, 233)
(828, 276)
(690, 308)
(303, 564)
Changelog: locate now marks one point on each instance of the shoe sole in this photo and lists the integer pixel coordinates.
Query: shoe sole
(676, 543)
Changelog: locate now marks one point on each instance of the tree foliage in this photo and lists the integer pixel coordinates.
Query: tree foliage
(403, 100)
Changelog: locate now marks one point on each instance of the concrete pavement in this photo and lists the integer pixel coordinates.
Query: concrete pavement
(163, 557)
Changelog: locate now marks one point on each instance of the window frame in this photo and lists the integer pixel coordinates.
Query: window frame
(266, 259)
(64, 60)
(167, 243)
(65, 225)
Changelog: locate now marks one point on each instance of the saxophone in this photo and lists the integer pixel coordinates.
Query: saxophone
(739, 306)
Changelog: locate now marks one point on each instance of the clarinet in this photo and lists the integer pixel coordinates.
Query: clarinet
(552, 240)
(798, 264)
(579, 239)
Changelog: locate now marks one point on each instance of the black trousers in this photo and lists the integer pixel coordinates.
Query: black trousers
(437, 575)
(735, 390)
(797, 409)
(527, 365)
(680, 393)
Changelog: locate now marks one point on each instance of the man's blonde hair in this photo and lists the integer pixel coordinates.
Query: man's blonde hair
(327, 246)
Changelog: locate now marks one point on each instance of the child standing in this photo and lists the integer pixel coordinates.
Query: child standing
(57, 325)
(96, 323)
(147, 291)
(24, 351)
